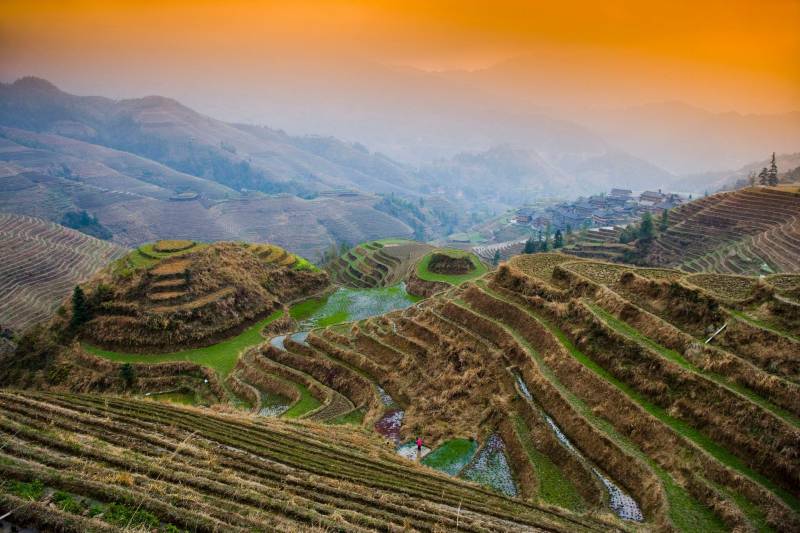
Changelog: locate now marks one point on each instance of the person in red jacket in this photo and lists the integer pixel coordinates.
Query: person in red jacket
(419, 445)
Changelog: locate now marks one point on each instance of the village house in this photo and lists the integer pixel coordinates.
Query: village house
(618, 208)
(619, 196)
(651, 197)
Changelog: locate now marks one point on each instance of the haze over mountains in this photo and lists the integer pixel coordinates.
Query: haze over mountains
(538, 101)
(151, 167)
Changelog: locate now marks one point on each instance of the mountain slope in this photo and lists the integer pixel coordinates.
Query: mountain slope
(516, 175)
(151, 168)
(41, 264)
(163, 130)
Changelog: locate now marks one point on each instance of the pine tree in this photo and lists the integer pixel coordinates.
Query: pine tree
(546, 244)
(664, 220)
(628, 234)
(646, 227)
(558, 240)
(530, 246)
(496, 258)
(751, 179)
(772, 173)
(128, 374)
(569, 230)
(80, 309)
(763, 179)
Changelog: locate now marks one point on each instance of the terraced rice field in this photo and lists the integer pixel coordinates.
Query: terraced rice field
(220, 357)
(551, 383)
(379, 263)
(86, 463)
(452, 456)
(350, 305)
(749, 231)
(284, 366)
(601, 243)
(567, 382)
(491, 467)
(42, 263)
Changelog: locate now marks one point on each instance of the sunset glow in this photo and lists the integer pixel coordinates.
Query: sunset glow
(747, 53)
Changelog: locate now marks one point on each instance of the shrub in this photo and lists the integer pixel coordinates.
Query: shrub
(122, 515)
(28, 490)
(128, 374)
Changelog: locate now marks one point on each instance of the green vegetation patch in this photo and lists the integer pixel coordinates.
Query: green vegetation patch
(424, 272)
(27, 490)
(184, 397)
(452, 456)
(147, 256)
(221, 357)
(305, 404)
(301, 263)
(554, 487)
(353, 418)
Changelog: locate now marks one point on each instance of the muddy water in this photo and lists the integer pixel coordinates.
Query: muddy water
(491, 467)
(409, 451)
(350, 305)
(623, 505)
(277, 342)
(274, 404)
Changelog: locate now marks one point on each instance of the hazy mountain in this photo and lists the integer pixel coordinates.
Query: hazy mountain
(163, 130)
(515, 175)
(151, 168)
(683, 138)
(726, 179)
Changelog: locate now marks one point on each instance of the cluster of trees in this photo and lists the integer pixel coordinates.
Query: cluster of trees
(334, 251)
(645, 230)
(767, 176)
(86, 223)
(239, 175)
(544, 244)
(83, 310)
(405, 210)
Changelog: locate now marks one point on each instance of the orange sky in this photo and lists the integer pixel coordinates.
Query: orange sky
(753, 45)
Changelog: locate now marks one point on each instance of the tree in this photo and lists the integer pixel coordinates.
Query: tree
(558, 239)
(628, 234)
(751, 178)
(80, 309)
(569, 230)
(530, 246)
(662, 226)
(128, 374)
(646, 230)
(546, 244)
(772, 173)
(496, 258)
(763, 179)
(419, 232)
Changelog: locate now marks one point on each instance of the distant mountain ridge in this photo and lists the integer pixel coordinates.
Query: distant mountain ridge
(163, 130)
(519, 175)
(686, 139)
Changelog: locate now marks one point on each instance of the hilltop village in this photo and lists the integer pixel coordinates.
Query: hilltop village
(620, 207)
